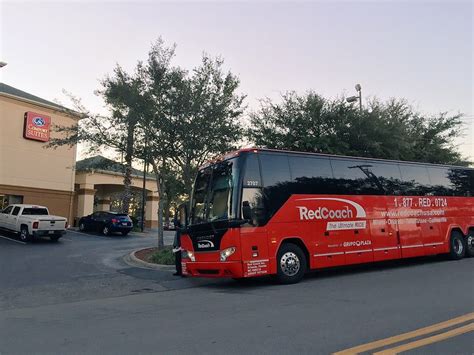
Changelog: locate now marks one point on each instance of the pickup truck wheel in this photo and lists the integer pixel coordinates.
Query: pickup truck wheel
(24, 234)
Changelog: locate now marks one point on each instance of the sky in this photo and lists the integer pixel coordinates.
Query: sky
(420, 51)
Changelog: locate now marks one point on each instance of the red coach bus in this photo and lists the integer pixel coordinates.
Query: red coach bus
(267, 212)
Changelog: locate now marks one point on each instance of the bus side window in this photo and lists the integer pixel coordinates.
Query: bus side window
(388, 176)
(353, 178)
(276, 181)
(252, 206)
(252, 197)
(415, 180)
(440, 182)
(252, 171)
(310, 175)
(462, 181)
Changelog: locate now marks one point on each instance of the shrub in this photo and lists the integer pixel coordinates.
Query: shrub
(164, 256)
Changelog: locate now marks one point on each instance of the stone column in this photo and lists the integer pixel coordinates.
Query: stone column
(103, 204)
(85, 200)
(151, 210)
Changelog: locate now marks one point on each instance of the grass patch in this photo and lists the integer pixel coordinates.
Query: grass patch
(164, 256)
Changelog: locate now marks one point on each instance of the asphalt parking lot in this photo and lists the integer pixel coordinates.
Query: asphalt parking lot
(79, 296)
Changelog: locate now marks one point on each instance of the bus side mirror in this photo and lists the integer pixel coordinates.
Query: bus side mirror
(246, 210)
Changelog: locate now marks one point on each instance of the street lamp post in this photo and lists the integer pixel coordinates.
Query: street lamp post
(359, 90)
(358, 97)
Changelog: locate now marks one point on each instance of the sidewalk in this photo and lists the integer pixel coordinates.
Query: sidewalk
(168, 236)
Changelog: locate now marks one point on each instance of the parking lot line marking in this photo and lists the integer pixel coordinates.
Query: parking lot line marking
(12, 240)
(80, 233)
(405, 336)
(426, 341)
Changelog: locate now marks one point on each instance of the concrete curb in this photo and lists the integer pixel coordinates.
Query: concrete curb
(132, 260)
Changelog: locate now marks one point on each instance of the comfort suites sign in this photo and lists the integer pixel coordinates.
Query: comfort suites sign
(36, 126)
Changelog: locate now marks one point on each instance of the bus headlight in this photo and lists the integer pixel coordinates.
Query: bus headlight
(186, 254)
(226, 253)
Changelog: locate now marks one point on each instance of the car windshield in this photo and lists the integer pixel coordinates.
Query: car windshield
(212, 195)
(35, 211)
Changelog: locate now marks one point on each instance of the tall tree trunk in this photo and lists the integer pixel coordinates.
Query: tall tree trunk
(127, 179)
(167, 205)
(188, 179)
(159, 189)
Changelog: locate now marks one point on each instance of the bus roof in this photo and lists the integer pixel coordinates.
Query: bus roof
(268, 150)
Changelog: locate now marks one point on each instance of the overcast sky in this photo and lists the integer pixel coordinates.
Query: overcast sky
(421, 51)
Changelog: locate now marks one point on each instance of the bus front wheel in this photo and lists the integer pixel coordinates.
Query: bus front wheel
(291, 264)
(457, 246)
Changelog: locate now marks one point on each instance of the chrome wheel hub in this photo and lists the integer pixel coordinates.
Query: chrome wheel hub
(290, 264)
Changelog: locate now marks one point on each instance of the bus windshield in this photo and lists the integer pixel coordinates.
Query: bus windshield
(212, 195)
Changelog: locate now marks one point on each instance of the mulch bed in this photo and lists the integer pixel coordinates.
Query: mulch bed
(145, 254)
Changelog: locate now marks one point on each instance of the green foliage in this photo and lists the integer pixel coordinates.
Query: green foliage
(173, 118)
(163, 256)
(195, 115)
(388, 130)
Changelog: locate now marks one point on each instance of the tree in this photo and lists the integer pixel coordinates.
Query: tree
(116, 131)
(205, 121)
(387, 130)
(163, 114)
(190, 118)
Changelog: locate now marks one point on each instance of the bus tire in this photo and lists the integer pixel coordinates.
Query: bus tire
(470, 243)
(291, 264)
(457, 246)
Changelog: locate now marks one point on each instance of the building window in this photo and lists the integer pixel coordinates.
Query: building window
(6, 200)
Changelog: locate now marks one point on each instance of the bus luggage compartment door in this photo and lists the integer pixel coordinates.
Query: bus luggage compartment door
(411, 240)
(385, 241)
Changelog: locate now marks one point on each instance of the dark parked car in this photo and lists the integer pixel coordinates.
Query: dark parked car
(169, 226)
(106, 223)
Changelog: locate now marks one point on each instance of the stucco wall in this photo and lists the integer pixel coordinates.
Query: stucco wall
(25, 162)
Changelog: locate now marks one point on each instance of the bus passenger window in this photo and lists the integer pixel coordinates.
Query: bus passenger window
(252, 171)
(440, 182)
(353, 177)
(462, 181)
(276, 181)
(415, 180)
(252, 206)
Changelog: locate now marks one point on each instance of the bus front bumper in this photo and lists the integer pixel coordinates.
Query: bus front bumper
(213, 269)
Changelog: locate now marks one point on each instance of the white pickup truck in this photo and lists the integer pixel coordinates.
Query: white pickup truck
(32, 221)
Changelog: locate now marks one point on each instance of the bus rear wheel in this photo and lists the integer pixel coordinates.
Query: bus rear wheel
(457, 246)
(291, 264)
(470, 243)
